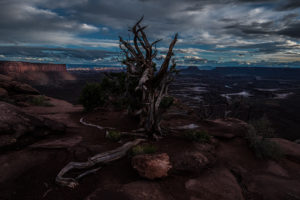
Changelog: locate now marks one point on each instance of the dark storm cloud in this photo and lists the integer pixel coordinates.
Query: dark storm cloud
(293, 30)
(289, 5)
(86, 24)
(286, 26)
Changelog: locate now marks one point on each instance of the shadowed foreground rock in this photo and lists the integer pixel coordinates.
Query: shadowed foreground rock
(17, 126)
(290, 149)
(227, 128)
(152, 166)
(218, 184)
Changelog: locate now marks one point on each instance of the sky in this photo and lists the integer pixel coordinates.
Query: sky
(211, 32)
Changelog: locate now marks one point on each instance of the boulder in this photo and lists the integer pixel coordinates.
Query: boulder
(3, 92)
(17, 126)
(15, 87)
(190, 161)
(145, 190)
(274, 168)
(217, 184)
(4, 78)
(152, 166)
(62, 143)
(226, 128)
(268, 186)
(290, 149)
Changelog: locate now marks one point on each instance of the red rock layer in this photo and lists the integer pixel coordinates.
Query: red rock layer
(12, 66)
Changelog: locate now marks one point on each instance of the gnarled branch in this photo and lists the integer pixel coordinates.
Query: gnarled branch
(101, 158)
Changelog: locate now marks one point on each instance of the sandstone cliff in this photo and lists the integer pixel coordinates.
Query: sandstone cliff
(20, 67)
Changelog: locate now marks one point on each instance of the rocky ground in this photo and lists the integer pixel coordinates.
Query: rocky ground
(43, 139)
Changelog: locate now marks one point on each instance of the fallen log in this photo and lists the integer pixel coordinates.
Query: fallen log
(101, 158)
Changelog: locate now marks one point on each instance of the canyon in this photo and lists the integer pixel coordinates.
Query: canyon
(20, 67)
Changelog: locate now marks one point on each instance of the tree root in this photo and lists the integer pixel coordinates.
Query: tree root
(101, 158)
(94, 125)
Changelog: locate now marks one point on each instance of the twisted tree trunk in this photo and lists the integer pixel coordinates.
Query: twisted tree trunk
(150, 87)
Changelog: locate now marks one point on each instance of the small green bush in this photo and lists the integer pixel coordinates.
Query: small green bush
(263, 127)
(198, 136)
(40, 100)
(92, 96)
(166, 102)
(143, 149)
(113, 135)
(263, 147)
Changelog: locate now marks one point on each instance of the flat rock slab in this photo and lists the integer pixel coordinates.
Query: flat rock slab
(145, 190)
(217, 184)
(17, 125)
(290, 149)
(58, 144)
(267, 186)
(226, 128)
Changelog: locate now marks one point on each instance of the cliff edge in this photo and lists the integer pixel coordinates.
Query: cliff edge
(20, 67)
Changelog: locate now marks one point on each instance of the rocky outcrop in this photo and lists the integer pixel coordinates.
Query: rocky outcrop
(145, 190)
(227, 128)
(290, 149)
(16, 92)
(14, 87)
(3, 92)
(190, 161)
(20, 128)
(152, 166)
(218, 184)
(20, 67)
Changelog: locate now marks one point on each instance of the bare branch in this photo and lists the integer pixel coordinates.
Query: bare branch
(101, 158)
(165, 65)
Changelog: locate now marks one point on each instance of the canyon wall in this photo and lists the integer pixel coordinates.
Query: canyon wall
(20, 67)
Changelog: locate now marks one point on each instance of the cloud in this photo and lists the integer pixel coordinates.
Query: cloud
(58, 55)
(211, 29)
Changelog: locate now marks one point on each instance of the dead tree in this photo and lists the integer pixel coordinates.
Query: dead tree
(150, 86)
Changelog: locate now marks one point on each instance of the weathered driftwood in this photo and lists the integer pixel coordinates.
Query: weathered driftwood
(141, 69)
(94, 161)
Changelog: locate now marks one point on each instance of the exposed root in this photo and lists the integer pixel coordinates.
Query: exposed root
(134, 134)
(94, 125)
(101, 158)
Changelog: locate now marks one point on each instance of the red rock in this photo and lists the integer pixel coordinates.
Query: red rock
(273, 187)
(4, 78)
(58, 144)
(11, 66)
(218, 184)
(190, 161)
(276, 169)
(16, 125)
(290, 149)
(3, 92)
(18, 88)
(227, 128)
(145, 190)
(152, 166)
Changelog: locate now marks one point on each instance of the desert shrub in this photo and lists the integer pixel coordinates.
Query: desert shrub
(262, 146)
(198, 136)
(112, 88)
(114, 83)
(166, 102)
(143, 149)
(113, 135)
(92, 96)
(40, 100)
(263, 127)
